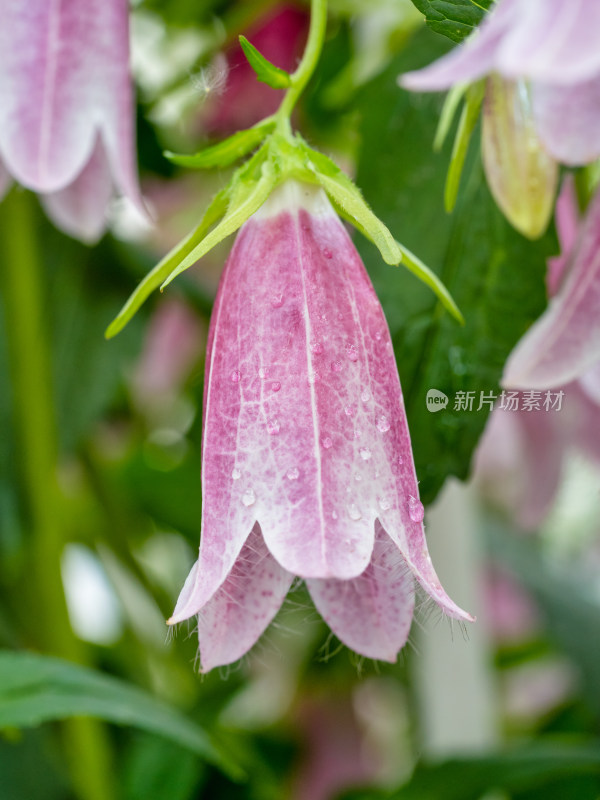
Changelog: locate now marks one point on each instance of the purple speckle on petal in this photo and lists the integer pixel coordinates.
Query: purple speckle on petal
(326, 442)
(327, 252)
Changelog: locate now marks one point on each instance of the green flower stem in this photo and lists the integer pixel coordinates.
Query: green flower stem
(314, 45)
(34, 420)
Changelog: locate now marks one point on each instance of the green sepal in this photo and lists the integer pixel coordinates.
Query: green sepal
(154, 279)
(232, 205)
(350, 201)
(246, 199)
(466, 125)
(414, 264)
(451, 103)
(265, 71)
(226, 152)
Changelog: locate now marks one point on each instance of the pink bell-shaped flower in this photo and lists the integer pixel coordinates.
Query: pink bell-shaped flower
(66, 108)
(307, 467)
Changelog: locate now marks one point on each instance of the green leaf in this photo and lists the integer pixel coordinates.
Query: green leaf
(265, 71)
(226, 152)
(495, 276)
(466, 125)
(349, 200)
(455, 19)
(36, 689)
(532, 765)
(164, 268)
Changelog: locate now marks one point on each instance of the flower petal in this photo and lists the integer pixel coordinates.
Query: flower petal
(63, 76)
(288, 356)
(469, 61)
(372, 613)
(568, 120)
(555, 41)
(565, 341)
(80, 208)
(235, 617)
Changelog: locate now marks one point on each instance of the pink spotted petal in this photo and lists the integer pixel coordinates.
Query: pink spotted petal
(568, 120)
(555, 41)
(304, 424)
(565, 340)
(473, 59)
(63, 78)
(80, 208)
(235, 617)
(372, 613)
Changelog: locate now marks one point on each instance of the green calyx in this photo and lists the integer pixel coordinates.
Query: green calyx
(279, 155)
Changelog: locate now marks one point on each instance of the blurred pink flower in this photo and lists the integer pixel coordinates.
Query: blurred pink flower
(519, 459)
(307, 467)
(565, 341)
(552, 43)
(280, 36)
(172, 347)
(66, 108)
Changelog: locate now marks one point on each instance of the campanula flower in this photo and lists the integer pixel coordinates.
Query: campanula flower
(564, 343)
(307, 468)
(551, 43)
(66, 108)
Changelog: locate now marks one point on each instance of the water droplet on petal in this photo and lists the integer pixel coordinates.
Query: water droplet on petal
(236, 376)
(415, 509)
(275, 386)
(378, 335)
(383, 424)
(326, 442)
(365, 396)
(336, 366)
(334, 515)
(277, 300)
(384, 504)
(349, 411)
(358, 477)
(273, 427)
(263, 373)
(357, 433)
(316, 348)
(248, 498)
(365, 453)
(353, 512)
(236, 473)
(327, 252)
(293, 474)
(351, 352)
